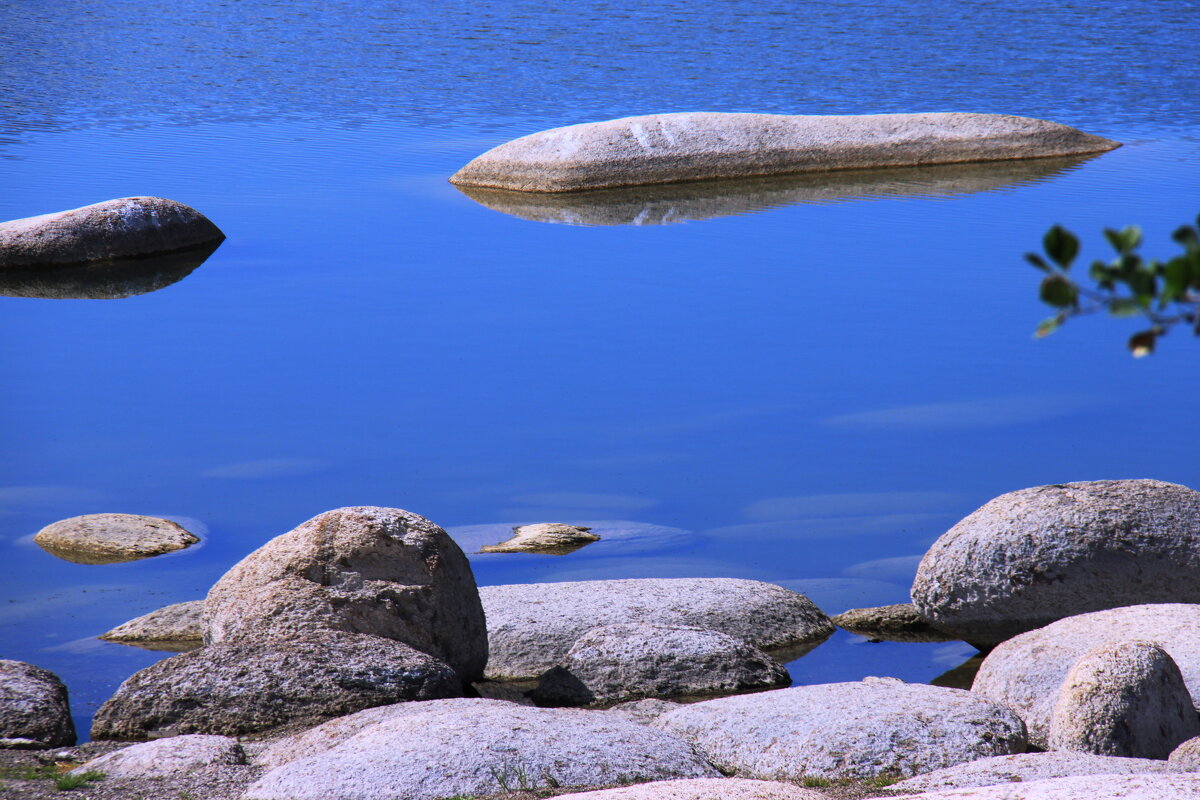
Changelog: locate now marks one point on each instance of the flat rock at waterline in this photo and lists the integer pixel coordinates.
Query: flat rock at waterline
(235, 688)
(1123, 699)
(1029, 767)
(667, 148)
(705, 789)
(1082, 787)
(879, 726)
(1027, 671)
(551, 538)
(174, 627)
(112, 538)
(129, 226)
(532, 626)
(1036, 555)
(169, 756)
(444, 749)
(624, 661)
(33, 707)
(380, 571)
(895, 623)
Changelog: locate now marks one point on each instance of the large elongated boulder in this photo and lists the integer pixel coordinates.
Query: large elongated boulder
(1078, 787)
(33, 707)
(236, 688)
(1123, 699)
(129, 226)
(532, 626)
(705, 789)
(666, 148)
(170, 756)
(380, 571)
(1027, 672)
(1001, 770)
(1030, 557)
(441, 749)
(879, 726)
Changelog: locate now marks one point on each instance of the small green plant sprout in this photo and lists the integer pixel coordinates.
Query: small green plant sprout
(1165, 293)
(814, 782)
(68, 781)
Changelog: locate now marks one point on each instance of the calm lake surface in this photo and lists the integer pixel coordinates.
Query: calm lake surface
(804, 383)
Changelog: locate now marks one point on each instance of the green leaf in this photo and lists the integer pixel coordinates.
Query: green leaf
(1142, 344)
(1176, 275)
(1125, 240)
(1059, 291)
(1061, 245)
(1047, 326)
(1186, 235)
(1038, 261)
(1102, 274)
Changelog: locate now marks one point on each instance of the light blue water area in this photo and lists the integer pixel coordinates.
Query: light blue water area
(808, 389)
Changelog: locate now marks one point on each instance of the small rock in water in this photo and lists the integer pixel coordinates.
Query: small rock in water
(169, 756)
(551, 538)
(112, 538)
(1027, 671)
(129, 226)
(895, 623)
(34, 712)
(175, 627)
(1030, 557)
(624, 661)
(235, 688)
(667, 148)
(1125, 699)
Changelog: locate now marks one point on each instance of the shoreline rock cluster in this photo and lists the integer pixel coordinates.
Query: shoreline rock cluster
(343, 659)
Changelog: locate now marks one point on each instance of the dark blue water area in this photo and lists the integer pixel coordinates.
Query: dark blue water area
(805, 383)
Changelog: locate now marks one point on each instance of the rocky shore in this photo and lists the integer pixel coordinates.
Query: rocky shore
(354, 658)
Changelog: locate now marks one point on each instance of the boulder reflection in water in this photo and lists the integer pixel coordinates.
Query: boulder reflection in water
(104, 280)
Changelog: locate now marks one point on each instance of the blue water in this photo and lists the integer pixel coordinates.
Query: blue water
(807, 390)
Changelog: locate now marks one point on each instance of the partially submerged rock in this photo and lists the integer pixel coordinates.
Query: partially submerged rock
(551, 538)
(1027, 671)
(1033, 556)
(1081, 787)
(34, 711)
(880, 726)
(667, 148)
(672, 203)
(1029, 767)
(129, 226)
(381, 571)
(1123, 699)
(630, 660)
(110, 279)
(169, 756)
(440, 749)
(112, 538)
(895, 623)
(532, 626)
(235, 688)
(175, 627)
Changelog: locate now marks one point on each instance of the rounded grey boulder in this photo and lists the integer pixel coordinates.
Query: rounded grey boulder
(235, 688)
(1028, 767)
(380, 571)
(666, 148)
(632, 660)
(33, 707)
(112, 538)
(1027, 671)
(448, 748)
(532, 626)
(174, 627)
(1123, 699)
(880, 726)
(1030, 557)
(129, 226)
